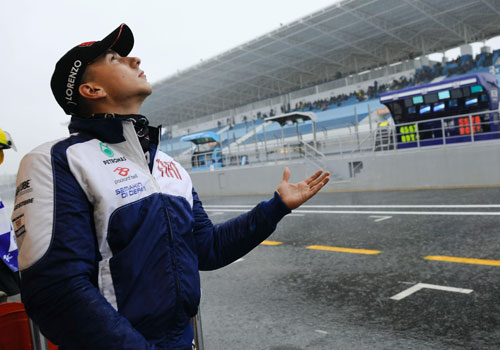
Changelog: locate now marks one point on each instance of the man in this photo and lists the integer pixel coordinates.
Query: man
(9, 276)
(113, 233)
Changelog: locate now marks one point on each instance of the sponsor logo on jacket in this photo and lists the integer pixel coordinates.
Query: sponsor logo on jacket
(23, 188)
(23, 203)
(114, 160)
(131, 190)
(168, 169)
(18, 223)
(106, 149)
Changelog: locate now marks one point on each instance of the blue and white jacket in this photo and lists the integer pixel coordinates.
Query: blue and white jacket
(110, 246)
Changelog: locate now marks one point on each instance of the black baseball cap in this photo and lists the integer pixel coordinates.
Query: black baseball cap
(70, 68)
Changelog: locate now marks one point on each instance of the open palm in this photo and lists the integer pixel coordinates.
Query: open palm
(294, 195)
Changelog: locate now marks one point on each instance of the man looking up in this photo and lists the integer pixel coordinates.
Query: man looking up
(113, 232)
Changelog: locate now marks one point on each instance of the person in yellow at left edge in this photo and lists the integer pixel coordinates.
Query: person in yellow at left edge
(9, 270)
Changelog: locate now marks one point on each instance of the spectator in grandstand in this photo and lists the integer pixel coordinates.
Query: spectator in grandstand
(113, 234)
(422, 76)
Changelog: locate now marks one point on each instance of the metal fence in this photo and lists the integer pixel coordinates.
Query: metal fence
(472, 127)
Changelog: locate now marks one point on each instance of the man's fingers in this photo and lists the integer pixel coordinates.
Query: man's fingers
(313, 177)
(314, 189)
(319, 179)
(286, 174)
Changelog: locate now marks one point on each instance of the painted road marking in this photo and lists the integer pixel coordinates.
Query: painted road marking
(402, 206)
(344, 250)
(294, 215)
(463, 260)
(239, 260)
(420, 286)
(320, 331)
(380, 217)
(452, 213)
(271, 243)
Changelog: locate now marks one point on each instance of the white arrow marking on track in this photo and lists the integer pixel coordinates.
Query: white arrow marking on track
(380, 218)
(239, 260)
(419, 286)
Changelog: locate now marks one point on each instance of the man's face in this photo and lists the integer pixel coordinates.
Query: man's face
(120, 77)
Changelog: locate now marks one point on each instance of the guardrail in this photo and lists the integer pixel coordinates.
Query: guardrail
(474, 127)
(471, 127)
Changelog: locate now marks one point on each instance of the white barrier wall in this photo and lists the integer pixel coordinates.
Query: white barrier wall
(461, 165)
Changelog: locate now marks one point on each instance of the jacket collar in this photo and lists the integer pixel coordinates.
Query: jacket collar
(108, 130)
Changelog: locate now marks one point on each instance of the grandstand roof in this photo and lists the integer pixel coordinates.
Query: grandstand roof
(348, 37)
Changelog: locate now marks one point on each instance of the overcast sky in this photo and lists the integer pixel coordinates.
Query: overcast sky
(169, 36)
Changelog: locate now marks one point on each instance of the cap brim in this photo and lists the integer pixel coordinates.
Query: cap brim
(121, 40)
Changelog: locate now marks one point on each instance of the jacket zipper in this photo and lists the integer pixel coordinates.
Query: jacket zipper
(171, 236)
(135, 147)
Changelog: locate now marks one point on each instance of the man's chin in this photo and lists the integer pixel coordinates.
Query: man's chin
(146, 91)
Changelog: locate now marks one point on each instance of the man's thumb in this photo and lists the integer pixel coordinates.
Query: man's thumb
(286, 174)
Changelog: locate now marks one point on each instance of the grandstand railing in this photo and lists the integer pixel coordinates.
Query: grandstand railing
(477, 126)
(350, 146)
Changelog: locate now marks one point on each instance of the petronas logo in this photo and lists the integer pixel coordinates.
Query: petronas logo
(106, 150)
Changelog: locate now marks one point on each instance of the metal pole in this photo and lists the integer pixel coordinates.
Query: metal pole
(198, 332)
(356, 126)
(370, 118)
(228, 148)
(371, 128)
(417, 135)
(35, 336)
(255, 140)
(394, 137)
(443, 132)
(314, 133)
(265, 139)
(471, 127)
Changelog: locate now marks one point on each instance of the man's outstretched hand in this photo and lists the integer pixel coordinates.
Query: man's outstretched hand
(294, 195)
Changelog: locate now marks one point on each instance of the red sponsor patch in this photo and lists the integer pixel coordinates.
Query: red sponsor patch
(122, 171)
(168, 169)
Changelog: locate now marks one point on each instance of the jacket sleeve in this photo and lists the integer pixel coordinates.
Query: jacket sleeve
(58, 259)
(221, 244)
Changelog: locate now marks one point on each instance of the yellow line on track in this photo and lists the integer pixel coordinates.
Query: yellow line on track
(344, 250)
(271, 243)
(463, 260)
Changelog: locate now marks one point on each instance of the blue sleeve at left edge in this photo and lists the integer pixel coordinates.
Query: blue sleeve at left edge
(221, 244)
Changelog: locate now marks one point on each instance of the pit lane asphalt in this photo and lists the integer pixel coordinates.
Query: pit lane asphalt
(289, 297)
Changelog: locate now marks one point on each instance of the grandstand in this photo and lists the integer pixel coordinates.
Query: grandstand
(334, 62)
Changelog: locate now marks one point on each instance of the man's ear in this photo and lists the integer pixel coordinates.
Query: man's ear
(91, 91)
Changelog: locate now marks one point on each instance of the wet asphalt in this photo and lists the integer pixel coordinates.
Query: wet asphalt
(287, 297)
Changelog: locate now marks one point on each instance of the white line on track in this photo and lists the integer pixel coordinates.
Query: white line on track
(237, 261)
(420, 286)
(452, 213)
(379, 218)
(393, 206)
